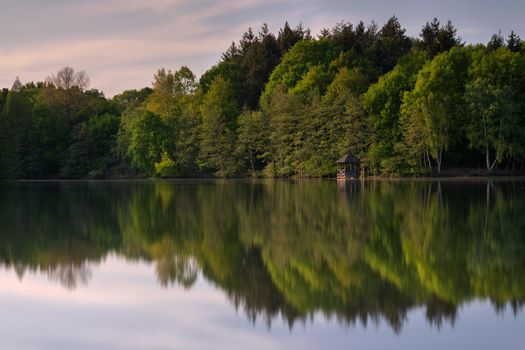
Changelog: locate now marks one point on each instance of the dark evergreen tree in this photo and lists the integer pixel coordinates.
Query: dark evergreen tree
(343, 33)
(260, 56)
(12, 125)
(288, 37)
(392, 44)
(324, 33)
(496, 41)
(3, 98)
(436, 38)
(514, 42)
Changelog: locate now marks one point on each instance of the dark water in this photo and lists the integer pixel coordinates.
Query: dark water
(262, 265)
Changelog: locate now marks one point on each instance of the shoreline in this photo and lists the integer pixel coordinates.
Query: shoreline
(252, 179)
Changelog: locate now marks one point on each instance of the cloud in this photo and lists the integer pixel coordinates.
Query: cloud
(121, 43)
(133, 38)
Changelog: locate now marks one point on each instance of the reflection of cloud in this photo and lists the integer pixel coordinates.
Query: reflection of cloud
(122, 308)
(105, 287)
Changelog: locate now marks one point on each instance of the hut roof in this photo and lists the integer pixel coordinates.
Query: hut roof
(348, 158)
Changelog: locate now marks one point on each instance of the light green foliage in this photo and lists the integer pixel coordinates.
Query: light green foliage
(173, 99)
(147, 138)
(335, 125)
(308, 134)
(313, 83)
(219, 124)
(166, 167)
(229, 70)
(494, 96)
(414, 143)
(298, 61)
(170, 90)
(284, 113)
(382, 102)
(439, 92)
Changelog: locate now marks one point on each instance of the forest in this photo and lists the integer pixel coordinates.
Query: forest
(285, 105)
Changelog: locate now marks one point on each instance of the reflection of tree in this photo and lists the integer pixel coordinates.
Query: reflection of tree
(69, 275)
(58, 230)
(287, 249)
(171, 266)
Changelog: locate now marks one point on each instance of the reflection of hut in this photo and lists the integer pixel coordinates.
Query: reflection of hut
(348, 167)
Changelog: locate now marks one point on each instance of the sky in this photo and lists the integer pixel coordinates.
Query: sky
(121, 43)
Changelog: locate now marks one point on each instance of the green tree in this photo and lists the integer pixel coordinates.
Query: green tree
(439, 94)
(514, 42)
(3, 97)
(494, 97)
(299, 60)
(92, 144)
(219, 124)
(148, 134)
(259, 59)
(414, 144)
(382, 102)
(314, 82)
(283, 112)
(496, 41)
(436, 38)
(15, 122)
(288, 37)
(392, 44)
(173, 99)
(252, 139)
(132, 98)
(162, 100)
(332, 126)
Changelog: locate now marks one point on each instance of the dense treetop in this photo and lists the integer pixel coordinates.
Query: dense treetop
(285, 104)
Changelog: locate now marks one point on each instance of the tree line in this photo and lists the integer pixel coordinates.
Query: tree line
(282, 105)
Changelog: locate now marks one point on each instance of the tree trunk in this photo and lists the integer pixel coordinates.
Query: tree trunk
(490, 166)
(440, 153)
(254, 174)
(429, 163)
(487, 207)
(487, 157)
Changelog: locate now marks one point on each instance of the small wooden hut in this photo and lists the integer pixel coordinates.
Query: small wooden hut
(348, 167)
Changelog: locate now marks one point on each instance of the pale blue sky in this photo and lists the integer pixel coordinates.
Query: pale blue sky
(121, 43)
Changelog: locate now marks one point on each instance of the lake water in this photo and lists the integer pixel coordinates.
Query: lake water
(262, 265)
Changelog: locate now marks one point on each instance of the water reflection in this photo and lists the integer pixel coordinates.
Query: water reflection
(357, 252)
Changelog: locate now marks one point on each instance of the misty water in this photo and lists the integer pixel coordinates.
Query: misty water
(241, 264)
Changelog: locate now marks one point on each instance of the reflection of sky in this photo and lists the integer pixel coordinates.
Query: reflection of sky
(123, 307)
(120, 43)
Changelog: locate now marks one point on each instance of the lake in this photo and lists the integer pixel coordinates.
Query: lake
(305, 264)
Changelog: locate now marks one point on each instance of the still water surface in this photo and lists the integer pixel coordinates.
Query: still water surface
(262, 265)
